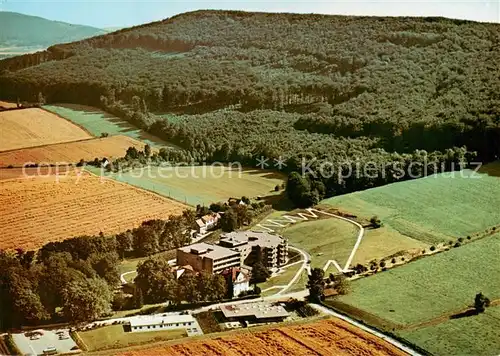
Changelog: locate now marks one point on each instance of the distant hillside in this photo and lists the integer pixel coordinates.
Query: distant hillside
(18, 30)
(298, 86)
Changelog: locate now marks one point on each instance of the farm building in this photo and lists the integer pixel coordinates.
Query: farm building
(255, 312)
(161, 322)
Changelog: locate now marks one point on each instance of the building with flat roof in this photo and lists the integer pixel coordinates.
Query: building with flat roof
(161, 322)
(254, 312)
(274, 248)
(208, 258)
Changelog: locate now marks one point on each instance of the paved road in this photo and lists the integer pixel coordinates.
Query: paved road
(383, 336)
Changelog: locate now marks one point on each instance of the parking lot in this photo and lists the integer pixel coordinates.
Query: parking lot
(38, 341)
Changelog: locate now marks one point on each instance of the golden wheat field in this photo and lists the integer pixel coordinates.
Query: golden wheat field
(36, 127)
(326, 337)
(71, 152)
(41, 209)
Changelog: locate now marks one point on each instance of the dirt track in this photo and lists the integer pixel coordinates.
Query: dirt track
(326, 337)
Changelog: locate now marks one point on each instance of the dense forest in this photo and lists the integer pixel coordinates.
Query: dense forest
(236, 86)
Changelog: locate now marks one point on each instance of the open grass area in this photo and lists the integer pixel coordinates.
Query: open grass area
(432, 286)
(324, 239)
(473, 335)
(114, 337)
(384, 242)
(300, 283)
(281, 279)
(432, 209)
(203, 184)
(97, 122)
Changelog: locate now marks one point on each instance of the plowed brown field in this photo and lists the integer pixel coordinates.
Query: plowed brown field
(42, 209)
(71, 152)
(36, 127)
(326, 337)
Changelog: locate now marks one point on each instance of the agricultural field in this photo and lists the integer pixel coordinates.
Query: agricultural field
(433, 286)
(42, 209)
(203, 184)
(474, 335)
(433, 209)
(72, 152)
(97, 122)
(325, 337)
(36, 127)
(114, 337)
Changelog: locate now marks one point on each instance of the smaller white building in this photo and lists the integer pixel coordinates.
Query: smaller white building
(161, 322)
(238, 279)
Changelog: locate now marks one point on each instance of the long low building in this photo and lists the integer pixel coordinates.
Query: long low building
(161, 322)
(254, 312)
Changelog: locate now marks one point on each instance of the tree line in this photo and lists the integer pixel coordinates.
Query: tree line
(157, 283)
(73, 280)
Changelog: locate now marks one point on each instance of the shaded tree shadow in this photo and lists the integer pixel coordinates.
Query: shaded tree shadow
(464, 314)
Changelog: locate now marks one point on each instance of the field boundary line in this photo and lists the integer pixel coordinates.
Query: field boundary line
(366, 328)
(47, 145)
(70, 121)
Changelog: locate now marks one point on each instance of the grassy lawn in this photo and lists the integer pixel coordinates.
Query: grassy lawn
(300, 283)
(432, 209)
(97, 122)
(281, 279)
(113, 337)
(431, 286)
(324, 239)
(473, 335)
(384, 242)
(204, 184)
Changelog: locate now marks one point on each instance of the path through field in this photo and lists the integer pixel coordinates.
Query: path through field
(286, 220)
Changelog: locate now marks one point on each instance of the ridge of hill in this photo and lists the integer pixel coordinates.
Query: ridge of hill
(234, 85)
(20, 31)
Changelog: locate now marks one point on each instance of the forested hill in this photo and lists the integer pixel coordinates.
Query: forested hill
(284, 84)
(21, 30)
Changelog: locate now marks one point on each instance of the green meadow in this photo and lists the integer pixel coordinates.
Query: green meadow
(432, 286)
(98, 122)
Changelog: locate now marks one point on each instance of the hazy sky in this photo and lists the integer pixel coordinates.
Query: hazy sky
(108, 13)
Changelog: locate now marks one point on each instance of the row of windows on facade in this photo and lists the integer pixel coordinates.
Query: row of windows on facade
(162, 325)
